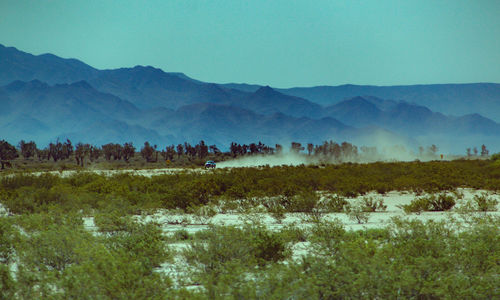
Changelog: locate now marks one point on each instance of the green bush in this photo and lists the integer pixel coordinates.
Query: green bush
(250, 246)
(8, 234)
(372, 204)
(304, 201)
(417, 205)
(485, 203)
(275, 207)
(358, 212)
(181, 235)
(441, 202)
(335, 203)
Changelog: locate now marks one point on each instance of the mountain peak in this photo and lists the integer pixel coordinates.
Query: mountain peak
(148, 69)
(357, 103)
(266, 91)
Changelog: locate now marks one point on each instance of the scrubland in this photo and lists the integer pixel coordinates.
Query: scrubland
(380, 230)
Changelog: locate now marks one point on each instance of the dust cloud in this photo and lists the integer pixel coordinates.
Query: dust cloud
(365, 155)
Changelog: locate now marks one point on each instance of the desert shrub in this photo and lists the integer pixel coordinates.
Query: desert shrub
(358, 212)
(293, 234)
(227, 255)
(304, 201)
(441, 202)
(112, 222)
(250, 246)
(417, 206)
(495, 157)
(275, 207)
(410, 259)
(327, 236)
(181, 235)
(7, 283)
(203, 213)
(8, 235)
(144, 243)
(485, 203)
(54, 248)
(372, 204)
(38, 222)
(335, 203)
(112, 274)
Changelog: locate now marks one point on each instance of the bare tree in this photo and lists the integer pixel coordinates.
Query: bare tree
(484, 151)
(7, 152)
(27, 149)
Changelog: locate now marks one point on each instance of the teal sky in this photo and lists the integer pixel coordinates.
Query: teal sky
(280, 43)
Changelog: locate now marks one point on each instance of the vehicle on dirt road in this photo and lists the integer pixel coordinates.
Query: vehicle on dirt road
(210, 164)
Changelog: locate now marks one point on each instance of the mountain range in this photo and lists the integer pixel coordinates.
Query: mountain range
(44, 97)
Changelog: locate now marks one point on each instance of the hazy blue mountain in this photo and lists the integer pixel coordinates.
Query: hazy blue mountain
(269, 101)
(357, 111)
(249, 88)
(149, 87)
(146, 87)
(105, 131)
(222, 124)
(42, 112)
(18, 65)
(73, 103)
(452, 99)
(409, 119)
(78, 111)
(25, 127)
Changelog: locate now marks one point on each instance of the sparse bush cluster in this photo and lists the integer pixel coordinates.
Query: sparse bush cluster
(440, 202)
(408, 259)
(57, 258)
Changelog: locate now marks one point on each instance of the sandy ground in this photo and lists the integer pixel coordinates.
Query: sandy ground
(146, 173)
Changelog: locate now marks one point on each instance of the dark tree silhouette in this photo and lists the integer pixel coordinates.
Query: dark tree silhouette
(180, 150)
(279, 148)
(310, 148)
(27, 149)
(128, 151)
(484, 151)
(95, 153)
(169, 152)
(7, 152)
(81, 151)
(147, 152)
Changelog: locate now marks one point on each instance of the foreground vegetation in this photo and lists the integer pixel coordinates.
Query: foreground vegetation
(52, 255)
(49, 250)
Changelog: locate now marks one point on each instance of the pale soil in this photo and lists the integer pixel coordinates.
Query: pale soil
(145, 173)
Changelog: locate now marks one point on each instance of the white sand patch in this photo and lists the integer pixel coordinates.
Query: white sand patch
(142, 172)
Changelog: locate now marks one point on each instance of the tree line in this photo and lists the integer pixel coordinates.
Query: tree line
(81, 152)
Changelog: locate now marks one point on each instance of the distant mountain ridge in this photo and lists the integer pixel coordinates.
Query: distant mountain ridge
(45, 96)
(408, 119)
